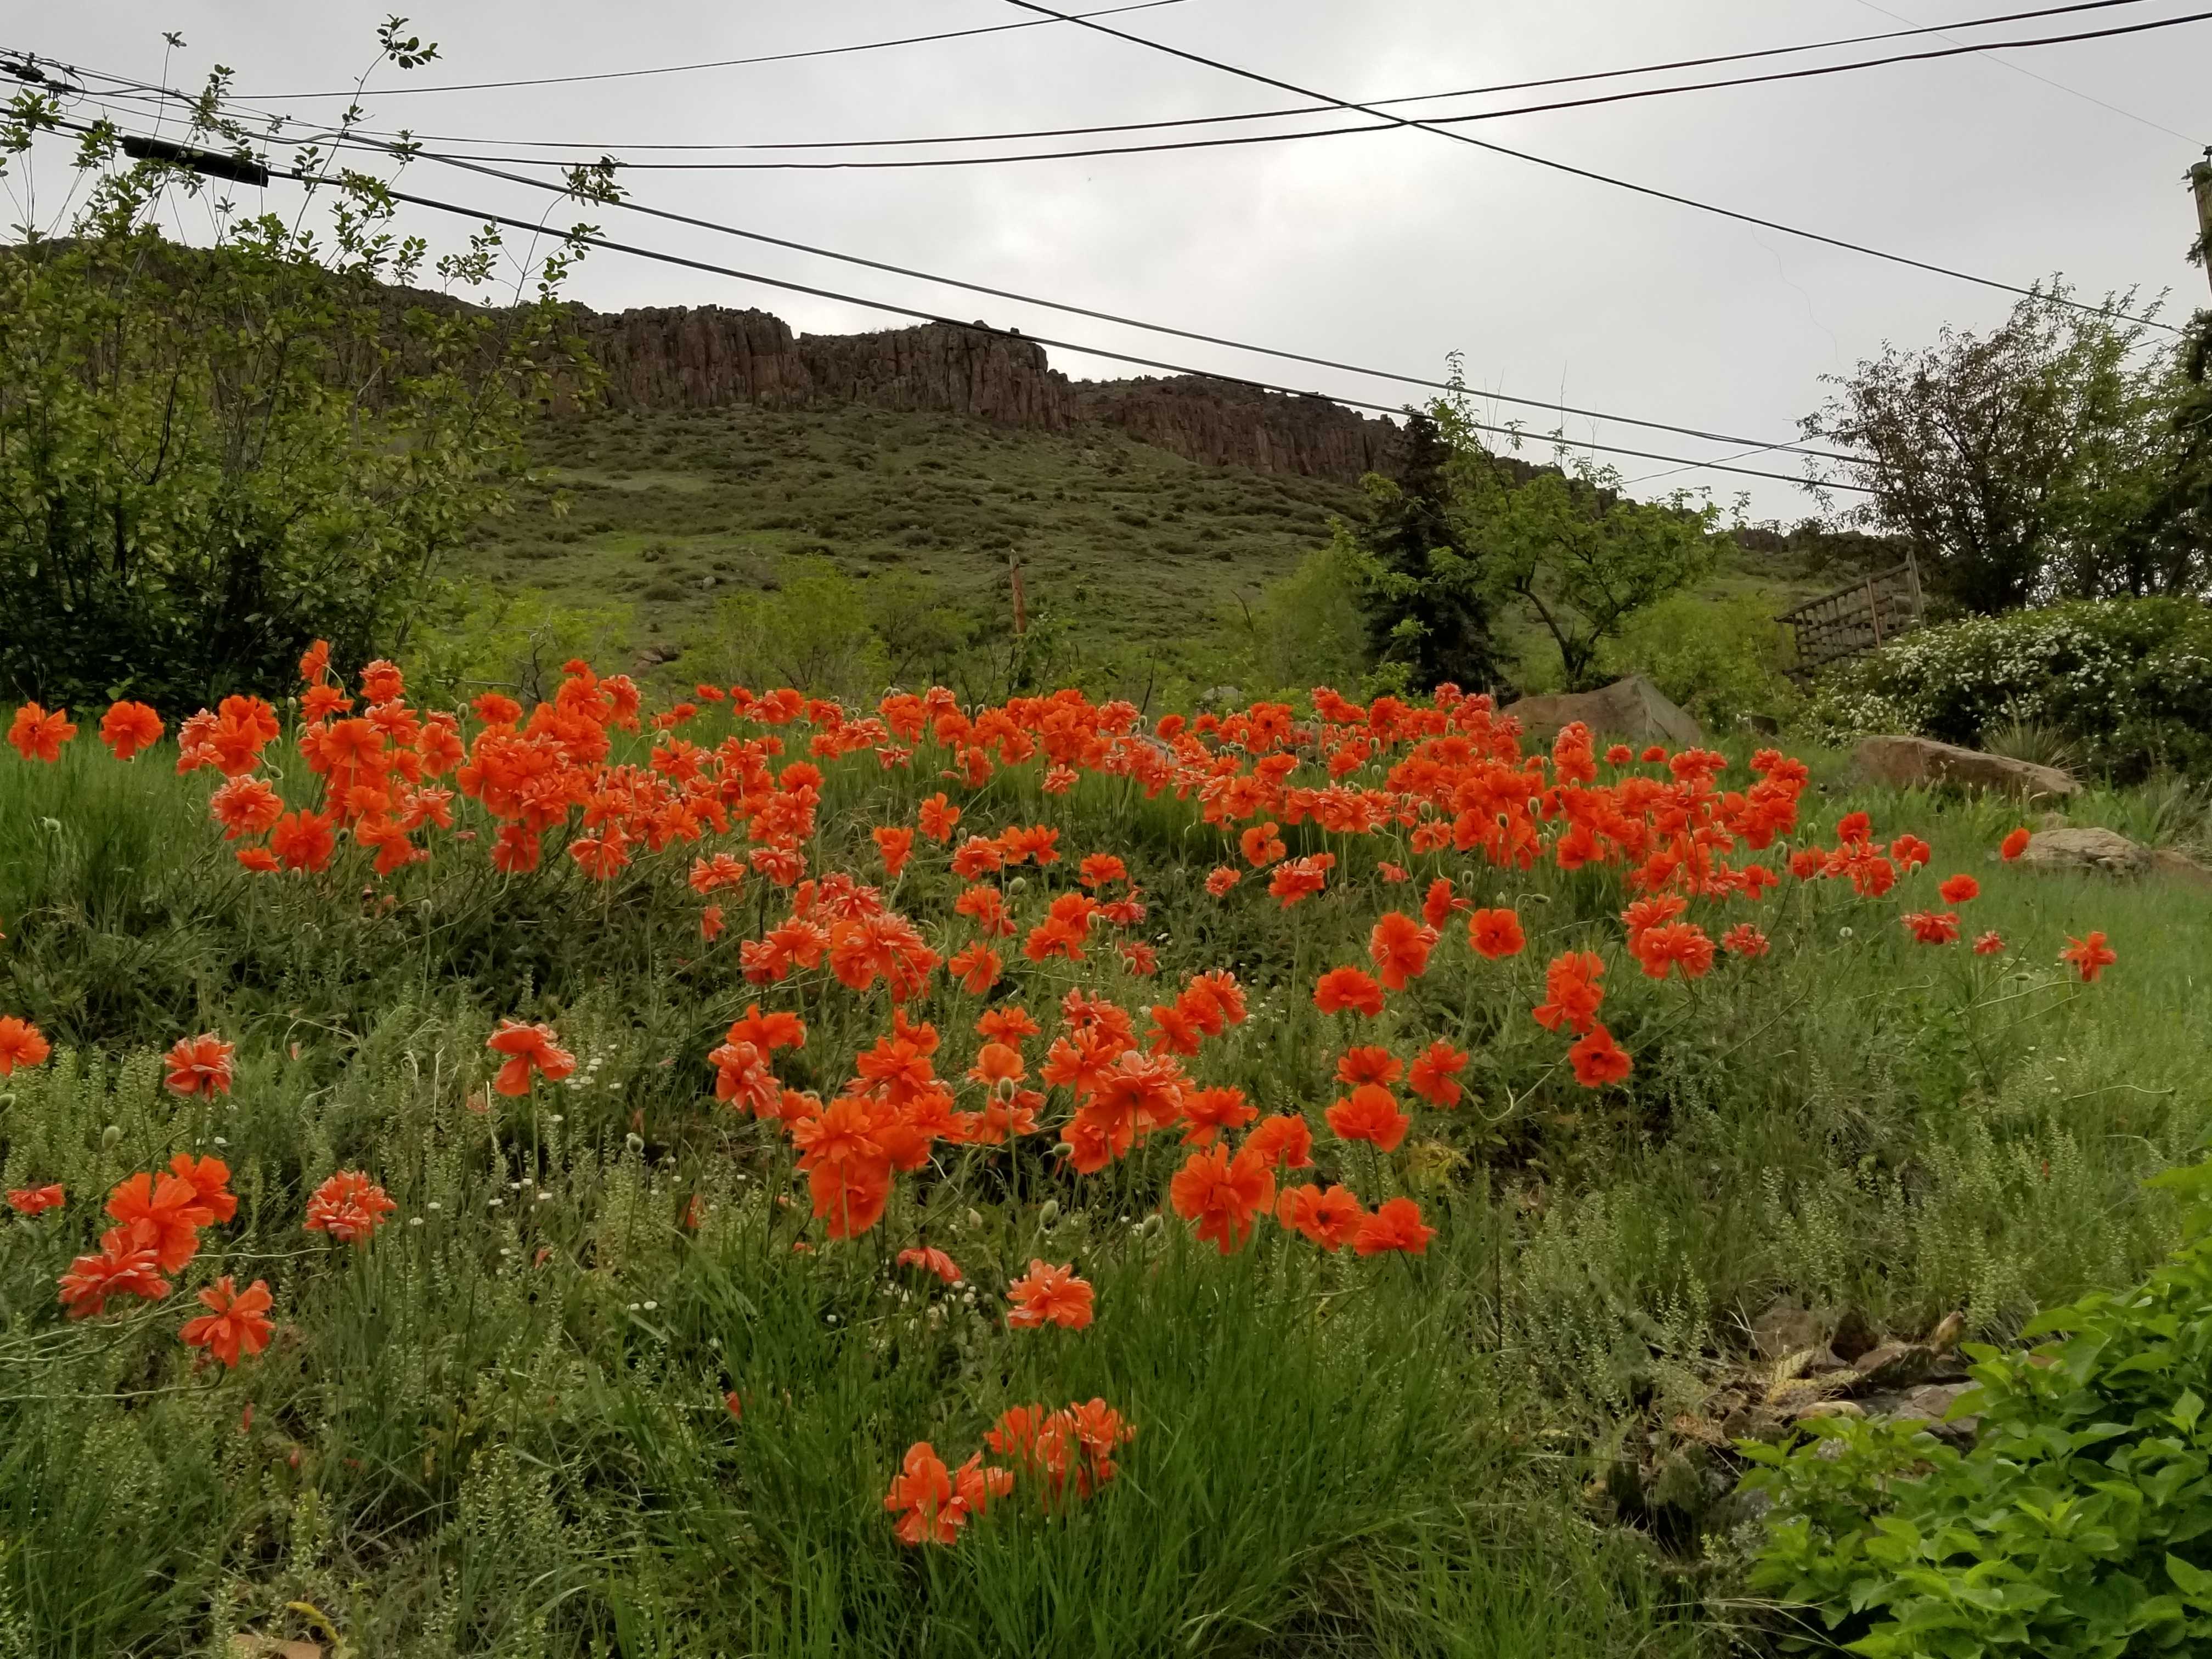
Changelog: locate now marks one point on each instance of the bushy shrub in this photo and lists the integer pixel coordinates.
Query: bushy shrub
(2081, 1521)
(1721, 661)
(2129, 681)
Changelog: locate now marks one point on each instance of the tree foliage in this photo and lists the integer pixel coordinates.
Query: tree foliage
(212, 452)
(2046, 459)
(1463, 533)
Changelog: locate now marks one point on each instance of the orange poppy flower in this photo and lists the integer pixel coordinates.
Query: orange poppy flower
(1327, 1218)
(931, 1259)
(997, 1068)
(1221, 880)
(237, 1323)
(1394, 1225)
(2013, 845)
(1008, 1023)
(1286, 1141)
(895, 843)
(1439, 903)
(923, 1489)
(1990, 943)
(1933, 927)
(1098, 869)
(1674, 945)
(199, 1066)
(2090, 956)
(303, 841)
(123, 1267)
(210, 1180)
(1400, 947)
(1260, 845)
(1221, 1193)
(39, 735)
(1495, 934)
(1910, 852)
(1348, 987)
(34, 1200)
(1957, 889)
(128, 727)
(1049, 1295)
(1598, 1059)
(1370, 1112)
(937, 816)
(162, 1213)
(1301, 878)
(350, 1208)
(22, 1043)
(1744, 941)
(710, 923)
(1369, 1065)
(529, 1047)
(1436, 1072)
(976, 967)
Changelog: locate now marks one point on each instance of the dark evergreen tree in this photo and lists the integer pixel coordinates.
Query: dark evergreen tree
(1426, 607)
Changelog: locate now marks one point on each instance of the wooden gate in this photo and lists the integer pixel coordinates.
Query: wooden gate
(1855, 620)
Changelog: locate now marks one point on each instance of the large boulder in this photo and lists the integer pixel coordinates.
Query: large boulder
(1923, 762)
(2104, 852)
(1633, 708)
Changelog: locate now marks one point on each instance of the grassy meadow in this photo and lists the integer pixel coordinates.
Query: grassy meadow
(1157, 565)
(602, 1384)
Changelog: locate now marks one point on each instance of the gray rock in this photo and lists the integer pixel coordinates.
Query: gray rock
(1633, 708)
(1786, 1329)
(1923, 762)
(2103, 852)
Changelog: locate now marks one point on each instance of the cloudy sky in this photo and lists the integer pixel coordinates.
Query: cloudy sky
(1389, 249)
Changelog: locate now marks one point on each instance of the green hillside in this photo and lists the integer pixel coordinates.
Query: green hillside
(646, 523)
(669, 511)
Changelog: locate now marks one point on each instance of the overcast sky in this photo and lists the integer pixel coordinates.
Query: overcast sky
(1390, 249)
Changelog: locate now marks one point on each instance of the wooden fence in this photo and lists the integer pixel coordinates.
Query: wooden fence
(1855, 620)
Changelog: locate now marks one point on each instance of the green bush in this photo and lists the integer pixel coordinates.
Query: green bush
(2129, 681)
(1720, 661)
(2079, 1522)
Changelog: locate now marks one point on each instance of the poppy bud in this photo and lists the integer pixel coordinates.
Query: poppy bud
(109, 1136)
(1019, 885)
(1050, 1214)
(1150, 1227)
(975, 1220)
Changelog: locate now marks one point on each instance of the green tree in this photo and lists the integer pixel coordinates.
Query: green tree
(2038, 462)
(1427, 607)
(211, 454)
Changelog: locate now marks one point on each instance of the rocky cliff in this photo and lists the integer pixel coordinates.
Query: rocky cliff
(705, 356)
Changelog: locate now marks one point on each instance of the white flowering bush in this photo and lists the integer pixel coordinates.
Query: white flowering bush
(2129, 681)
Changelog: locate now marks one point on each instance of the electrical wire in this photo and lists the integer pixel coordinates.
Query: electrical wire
(685, 69)
(586, 237)
(1595, 177)
(1955, 51)
(720, 227)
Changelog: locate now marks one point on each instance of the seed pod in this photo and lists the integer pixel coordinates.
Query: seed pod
(634, 1141)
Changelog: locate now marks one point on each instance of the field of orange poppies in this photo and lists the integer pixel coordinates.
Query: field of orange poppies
(757, 1176)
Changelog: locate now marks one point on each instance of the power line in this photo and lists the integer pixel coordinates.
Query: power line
(720, 227)
(586, 238)
(2060, 86)
(1595, 177)
(1961, 50)
(720, 63)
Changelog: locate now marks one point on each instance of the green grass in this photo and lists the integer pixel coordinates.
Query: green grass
(670, 510)
(500, 1429)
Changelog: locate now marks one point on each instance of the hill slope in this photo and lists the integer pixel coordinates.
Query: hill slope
(670, 510)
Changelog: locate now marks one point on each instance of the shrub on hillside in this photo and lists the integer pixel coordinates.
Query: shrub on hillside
(2079, 1522)
(2128, 680)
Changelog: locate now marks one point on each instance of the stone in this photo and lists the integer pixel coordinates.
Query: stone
(1929, 1405)
(1786, 1329)
(2177, 866)
(1923, 763)
(1895, 1365)
(1632, 708)
(2101, 852)
(709, 357)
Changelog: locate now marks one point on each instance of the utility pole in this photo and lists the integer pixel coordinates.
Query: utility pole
(2200, 178)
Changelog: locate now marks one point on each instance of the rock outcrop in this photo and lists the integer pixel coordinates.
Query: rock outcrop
(1633, 708)
(706, 357)
(1923, 762)
(2105, 852)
